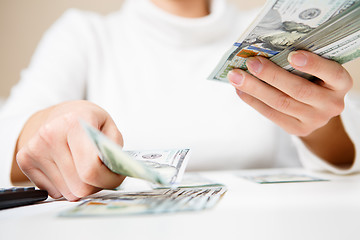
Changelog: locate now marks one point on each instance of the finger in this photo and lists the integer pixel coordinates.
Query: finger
(53, 174)
(43, 182)
(55, 136)
(66, 165)
(26, 164)
(288, 123)
(87, 163)
(269, 95)
(332, 73)
(40, 148)
(291, 84)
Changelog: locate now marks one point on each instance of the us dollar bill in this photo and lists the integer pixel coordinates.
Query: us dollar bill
(280, 25)
(170, 164)
(164, 167)
(337, 39)
(118, 203)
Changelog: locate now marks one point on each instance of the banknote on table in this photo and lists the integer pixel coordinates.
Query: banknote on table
(193, 180)
(286, 25)
(282, 178)
(164, 167)
(156, 201)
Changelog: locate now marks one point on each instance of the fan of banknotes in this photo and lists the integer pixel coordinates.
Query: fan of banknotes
(148, 202)
(194, 193)
(329, 28)
(164, 167)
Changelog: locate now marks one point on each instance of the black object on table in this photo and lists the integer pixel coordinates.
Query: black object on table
(20, 196)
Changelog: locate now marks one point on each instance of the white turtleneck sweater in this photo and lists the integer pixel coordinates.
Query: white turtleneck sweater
(148, 69)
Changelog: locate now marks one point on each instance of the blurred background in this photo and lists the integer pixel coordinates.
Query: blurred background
(22, 23)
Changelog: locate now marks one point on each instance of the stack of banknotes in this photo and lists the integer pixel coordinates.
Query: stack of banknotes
(329, 28)
(193, 194)
(164, 167)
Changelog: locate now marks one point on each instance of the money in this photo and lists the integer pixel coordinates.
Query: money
(329, 28)
(193, 180)
(337, 39)
(164, 167)
(169, 164)
(282, 178)
(148, 202)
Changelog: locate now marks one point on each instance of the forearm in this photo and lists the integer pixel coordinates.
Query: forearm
(332, 144)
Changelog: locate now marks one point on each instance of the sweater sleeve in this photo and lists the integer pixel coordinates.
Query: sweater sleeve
(56, 73)
(350, 119)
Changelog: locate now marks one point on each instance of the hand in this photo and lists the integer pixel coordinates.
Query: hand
(297, 105)
(54, 152)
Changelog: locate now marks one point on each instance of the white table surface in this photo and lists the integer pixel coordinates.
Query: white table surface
(312, 210)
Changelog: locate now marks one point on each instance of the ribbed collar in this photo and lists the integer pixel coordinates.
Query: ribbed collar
(177, 31)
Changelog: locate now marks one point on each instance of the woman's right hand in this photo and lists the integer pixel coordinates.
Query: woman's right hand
(54, 152)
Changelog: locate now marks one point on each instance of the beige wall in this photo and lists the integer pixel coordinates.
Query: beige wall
(22, 23)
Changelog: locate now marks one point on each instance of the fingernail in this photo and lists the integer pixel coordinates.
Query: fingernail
(236, 77)
(298, 59)
(254, 65)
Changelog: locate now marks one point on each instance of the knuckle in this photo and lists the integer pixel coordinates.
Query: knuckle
(282, 103)
(71, 119)
(321, 120)
(304, 91)
(302, 130)
(89, 175)
(48, 133)
(272, 75)
(341, 73)
(68, 195)
(248, 99)
(249, 87)
(317, 121)
(118, 138)
(270, 114)
(303, 133)
(54, 194)
(82, 190)
(315, 67)
(344, 79)
(33, 148)
(314, 64)
(24, 160)
(115, 183)
(337, 108)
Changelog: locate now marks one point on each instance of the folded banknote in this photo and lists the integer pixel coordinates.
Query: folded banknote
(164, 167)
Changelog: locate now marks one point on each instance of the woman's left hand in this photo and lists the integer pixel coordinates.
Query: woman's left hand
(296, 104)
